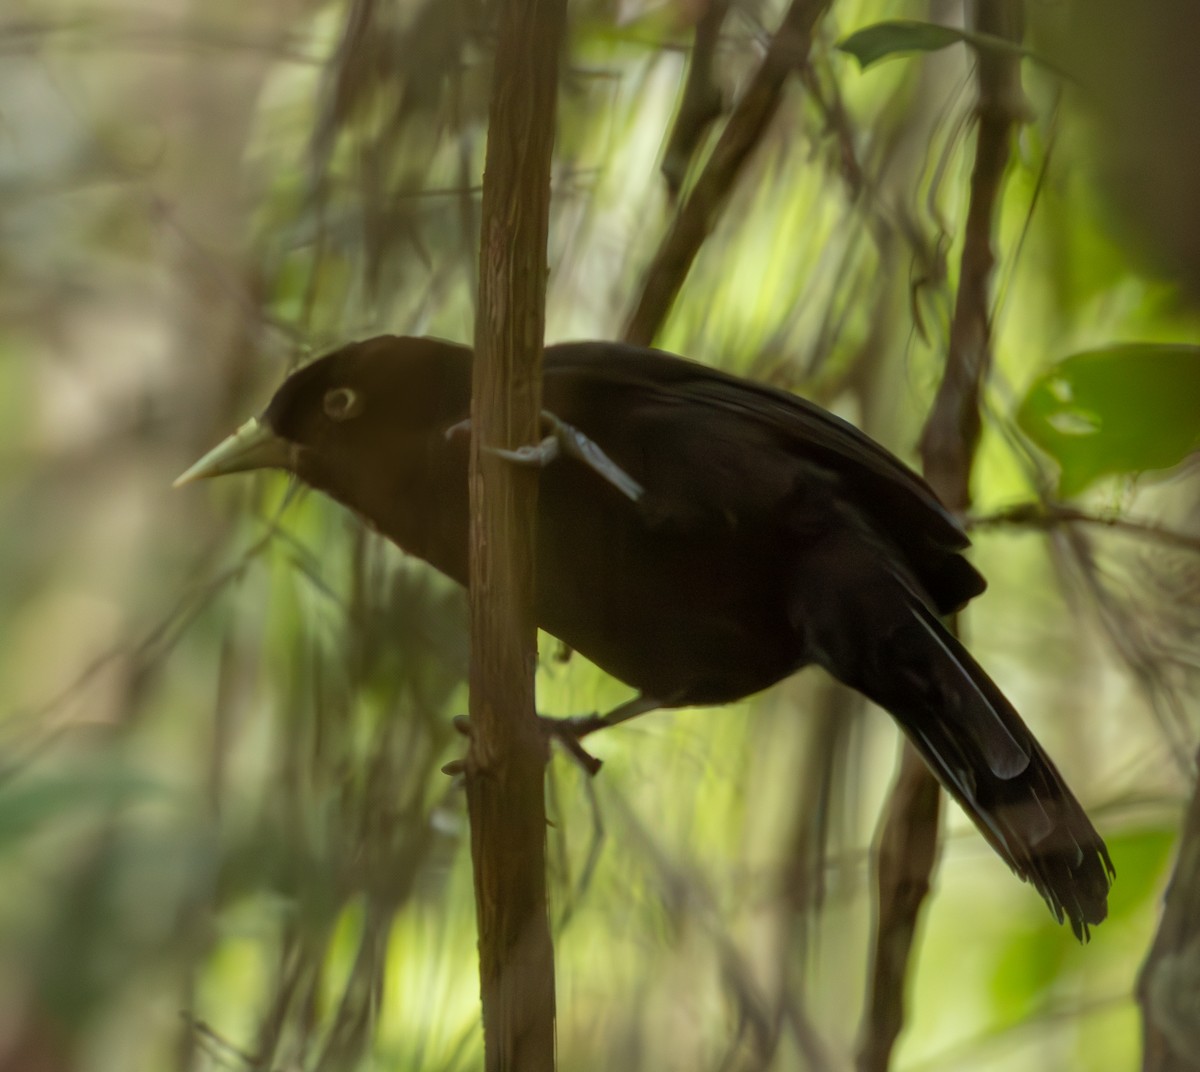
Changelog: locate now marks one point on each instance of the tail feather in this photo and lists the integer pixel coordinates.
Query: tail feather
(987, 758)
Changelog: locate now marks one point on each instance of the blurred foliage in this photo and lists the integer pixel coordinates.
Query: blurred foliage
(224, 834)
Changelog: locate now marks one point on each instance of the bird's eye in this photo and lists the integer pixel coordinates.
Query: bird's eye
(341, 403)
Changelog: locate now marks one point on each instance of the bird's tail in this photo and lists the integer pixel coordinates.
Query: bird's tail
(989, 761)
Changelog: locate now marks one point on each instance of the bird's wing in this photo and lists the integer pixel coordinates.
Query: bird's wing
(622, 395)
(808, 429)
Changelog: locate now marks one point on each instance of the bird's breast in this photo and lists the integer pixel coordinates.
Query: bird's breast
(689, 615)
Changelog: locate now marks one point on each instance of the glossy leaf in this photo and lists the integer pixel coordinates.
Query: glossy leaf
(900, 37)
(1124, 409)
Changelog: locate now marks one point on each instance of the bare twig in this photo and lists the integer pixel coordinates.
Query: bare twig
(788, 51)
(952, 430)
(1049, 515)
(907, 855)
(909, 840)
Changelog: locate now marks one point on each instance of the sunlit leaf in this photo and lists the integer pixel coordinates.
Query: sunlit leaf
(1124, 409)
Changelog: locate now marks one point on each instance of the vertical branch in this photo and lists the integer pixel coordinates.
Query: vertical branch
(506, 761)
(908, 845)
(907, 856)
(952, 431)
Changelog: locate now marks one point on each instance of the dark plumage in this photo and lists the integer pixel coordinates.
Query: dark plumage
(770, 535)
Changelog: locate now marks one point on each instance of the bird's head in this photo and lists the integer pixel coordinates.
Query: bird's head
(366, 424)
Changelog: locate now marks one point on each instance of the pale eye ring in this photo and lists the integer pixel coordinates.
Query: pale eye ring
(341, 403)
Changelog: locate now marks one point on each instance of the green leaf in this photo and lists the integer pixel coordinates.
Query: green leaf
(1124, 409)
(886, 40)
(898, 37)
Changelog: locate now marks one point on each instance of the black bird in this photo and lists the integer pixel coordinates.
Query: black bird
(701, 537)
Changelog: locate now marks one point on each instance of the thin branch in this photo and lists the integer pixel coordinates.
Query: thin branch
(908, 843)
(952, 430)
(697, 216)
(1050, 515)
(908, 852)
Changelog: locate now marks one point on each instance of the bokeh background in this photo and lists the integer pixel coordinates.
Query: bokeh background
(225, 840)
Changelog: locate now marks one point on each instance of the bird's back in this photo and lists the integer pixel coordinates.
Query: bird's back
(719, 437)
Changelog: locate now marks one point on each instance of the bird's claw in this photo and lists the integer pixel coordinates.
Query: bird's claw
(575, 444)
(563, 439)
(540, 455)
(457, 768)
(567, 732)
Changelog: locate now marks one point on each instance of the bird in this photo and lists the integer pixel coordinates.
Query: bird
(700, 537)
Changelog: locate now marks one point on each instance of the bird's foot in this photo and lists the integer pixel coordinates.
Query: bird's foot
(456, 768)
(566, 731)
(564, 439)
(569, 731)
